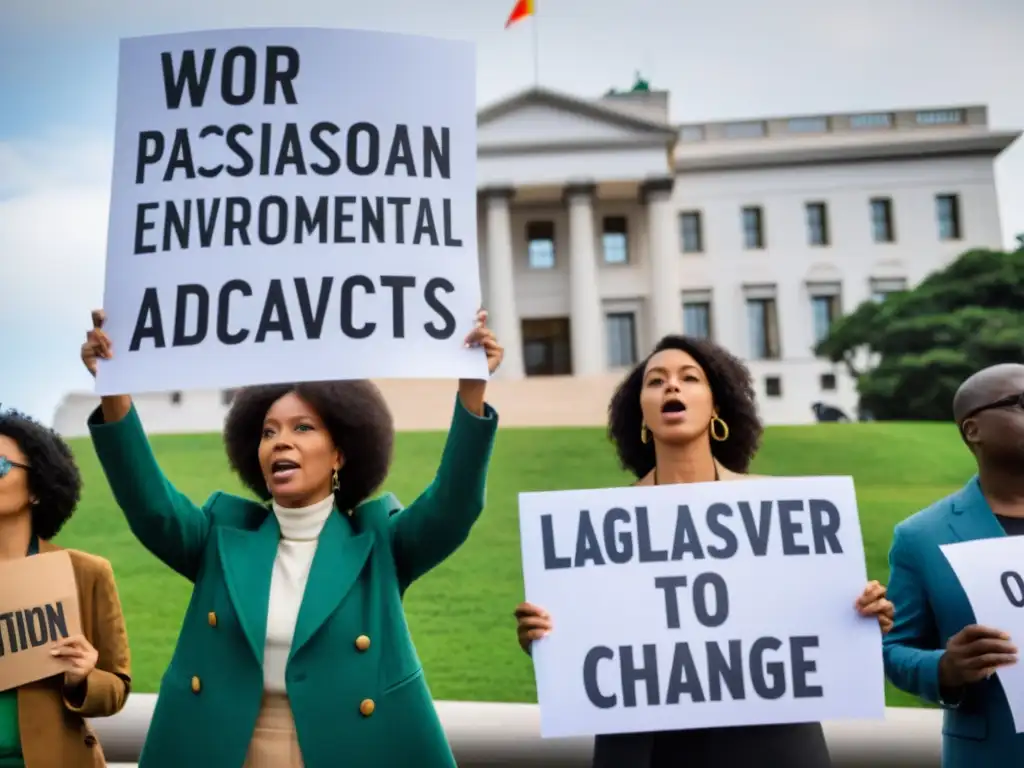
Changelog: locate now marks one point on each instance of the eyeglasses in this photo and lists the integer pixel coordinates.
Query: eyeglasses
(1006, 402)
(6, 465)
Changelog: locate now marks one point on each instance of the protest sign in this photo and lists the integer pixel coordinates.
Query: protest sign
(38, 607)
(991, 572)
(701, 605)
(291, 204)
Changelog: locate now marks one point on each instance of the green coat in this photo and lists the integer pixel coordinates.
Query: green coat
(211, 692)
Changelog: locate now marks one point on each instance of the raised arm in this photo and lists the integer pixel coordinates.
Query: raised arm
(163, 519)
(166, 522)
(438, 522)
(430, 529)
(912, 649)
(105, 690)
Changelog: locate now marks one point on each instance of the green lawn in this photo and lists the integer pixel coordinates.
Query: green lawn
(461, 614)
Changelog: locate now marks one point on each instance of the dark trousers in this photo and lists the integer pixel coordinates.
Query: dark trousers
(763, 746)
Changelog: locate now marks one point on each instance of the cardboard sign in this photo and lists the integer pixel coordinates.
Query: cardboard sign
(38, 607)
(700, 606)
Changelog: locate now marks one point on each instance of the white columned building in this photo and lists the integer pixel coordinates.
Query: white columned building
(591, 248)
(665, 270)
(503, 317)
(586, 331)
(603, 226)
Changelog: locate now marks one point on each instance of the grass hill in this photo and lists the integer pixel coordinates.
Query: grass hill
(461, 614)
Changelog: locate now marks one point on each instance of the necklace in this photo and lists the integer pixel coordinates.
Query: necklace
(656, 475)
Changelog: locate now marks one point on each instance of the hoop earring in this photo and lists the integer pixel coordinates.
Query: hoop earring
(334, 481)
(719, 430)
(643, 434)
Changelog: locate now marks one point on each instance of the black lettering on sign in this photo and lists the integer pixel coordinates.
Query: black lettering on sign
(32, 627)
(289, 310)
(288, 148)
(224, 334)
(239, 71)
(1013, 588)
(180, 225)
(444, 331)
(730, 670)
(805, 527)
(671, 585)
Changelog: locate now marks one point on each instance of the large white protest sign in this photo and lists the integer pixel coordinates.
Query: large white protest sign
(703, 605)
(991, 572)
(291, 204)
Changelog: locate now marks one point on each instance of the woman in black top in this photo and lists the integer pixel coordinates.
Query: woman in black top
(687, 414)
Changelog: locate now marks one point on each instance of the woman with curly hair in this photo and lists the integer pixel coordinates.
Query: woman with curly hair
(294, 651)
(42, 724)
(687, 414)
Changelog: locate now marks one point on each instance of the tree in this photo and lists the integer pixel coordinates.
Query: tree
(910, 352)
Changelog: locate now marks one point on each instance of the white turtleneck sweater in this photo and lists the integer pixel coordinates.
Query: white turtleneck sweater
(300, 529)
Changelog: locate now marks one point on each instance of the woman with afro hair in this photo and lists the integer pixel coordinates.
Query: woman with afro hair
(687, 414)
(42, 724)
(294, 651)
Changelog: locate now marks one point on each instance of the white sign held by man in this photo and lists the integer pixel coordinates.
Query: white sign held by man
(291, 204)
(991, 572)
(692, 606)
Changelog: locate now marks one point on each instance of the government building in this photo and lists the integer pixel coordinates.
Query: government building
(604, 226)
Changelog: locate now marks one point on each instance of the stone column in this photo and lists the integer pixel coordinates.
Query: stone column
(586, 322)
(663, 252)
(501, 294)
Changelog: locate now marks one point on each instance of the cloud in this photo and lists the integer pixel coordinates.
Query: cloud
(53, 227)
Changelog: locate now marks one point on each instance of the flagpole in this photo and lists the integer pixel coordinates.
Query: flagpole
(536, 49)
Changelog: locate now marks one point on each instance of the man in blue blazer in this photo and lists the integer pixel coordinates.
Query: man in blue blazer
(935, 650)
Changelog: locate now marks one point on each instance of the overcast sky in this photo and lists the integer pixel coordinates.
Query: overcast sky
(719, 58)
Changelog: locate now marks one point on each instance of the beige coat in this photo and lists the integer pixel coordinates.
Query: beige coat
(55, 734)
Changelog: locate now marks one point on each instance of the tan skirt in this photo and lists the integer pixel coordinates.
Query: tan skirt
(275, 743)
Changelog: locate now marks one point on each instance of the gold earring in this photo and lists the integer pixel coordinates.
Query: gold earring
(719, 430)
(334, 480)
(643, 433)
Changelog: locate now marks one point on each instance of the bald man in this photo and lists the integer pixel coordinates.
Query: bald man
(935, 650)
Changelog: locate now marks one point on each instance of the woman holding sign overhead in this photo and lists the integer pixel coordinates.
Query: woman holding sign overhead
(294, 650)
(42, 722)
(687, 414)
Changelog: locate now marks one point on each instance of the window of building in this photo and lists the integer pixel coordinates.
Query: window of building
(540, 239)
(697, 314)
(753, 129)
(868, 121)
(817, 224)
(807, 125)
(881, 288)
(620, 329)
(828, 382)
(763, 323)
(175, 398)
(939, 117)
(947, 209)
(691, 133)
(546, 348)
(881, 220)
(773, 386)
(615, 240)
(825, 308)
(753, 227)
(691, 231)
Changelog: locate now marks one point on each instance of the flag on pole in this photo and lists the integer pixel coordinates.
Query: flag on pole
(522, 9)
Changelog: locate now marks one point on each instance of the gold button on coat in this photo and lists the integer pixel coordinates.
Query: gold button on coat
(362, 642)
(196, 685)
(212, 618)
(367, 707)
